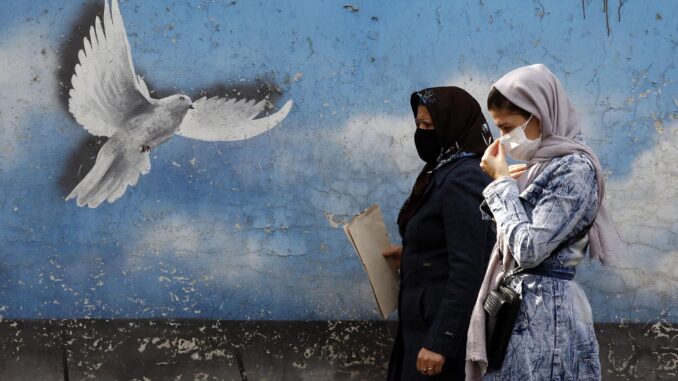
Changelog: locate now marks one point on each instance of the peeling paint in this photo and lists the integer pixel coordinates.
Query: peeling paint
(250, 231)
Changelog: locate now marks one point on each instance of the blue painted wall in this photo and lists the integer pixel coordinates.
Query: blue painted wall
(251, 229)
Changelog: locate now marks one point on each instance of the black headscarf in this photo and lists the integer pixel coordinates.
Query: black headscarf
(461, 127)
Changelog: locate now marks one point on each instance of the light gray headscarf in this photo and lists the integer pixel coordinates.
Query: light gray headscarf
(536, 90)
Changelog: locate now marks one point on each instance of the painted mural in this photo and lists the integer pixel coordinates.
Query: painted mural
(110, 100)
(242, 221)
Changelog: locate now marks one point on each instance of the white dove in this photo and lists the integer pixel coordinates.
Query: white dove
(109, 99)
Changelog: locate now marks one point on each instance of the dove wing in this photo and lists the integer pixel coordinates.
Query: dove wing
(105, 87)
(224, 119)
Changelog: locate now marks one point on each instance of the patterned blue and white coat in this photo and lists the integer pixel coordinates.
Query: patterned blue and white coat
(553, 337)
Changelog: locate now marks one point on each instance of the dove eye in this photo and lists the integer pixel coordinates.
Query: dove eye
(182, 98)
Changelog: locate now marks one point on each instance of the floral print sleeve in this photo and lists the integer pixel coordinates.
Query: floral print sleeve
(566, 203)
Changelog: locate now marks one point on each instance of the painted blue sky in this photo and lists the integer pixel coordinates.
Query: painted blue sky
(251, 229)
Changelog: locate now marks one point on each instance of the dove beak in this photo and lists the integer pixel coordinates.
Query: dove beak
(191, 107)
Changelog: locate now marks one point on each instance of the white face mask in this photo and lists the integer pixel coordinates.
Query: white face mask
(518, 145)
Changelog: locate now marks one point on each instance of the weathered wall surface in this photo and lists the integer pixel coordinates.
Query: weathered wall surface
(211, 350)
(251, 229)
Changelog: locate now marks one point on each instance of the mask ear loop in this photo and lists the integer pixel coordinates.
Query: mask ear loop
(524, 126)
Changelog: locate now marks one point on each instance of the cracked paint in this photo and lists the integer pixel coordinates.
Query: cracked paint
(251, 231)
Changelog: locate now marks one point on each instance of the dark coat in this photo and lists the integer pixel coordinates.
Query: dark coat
(446, 249)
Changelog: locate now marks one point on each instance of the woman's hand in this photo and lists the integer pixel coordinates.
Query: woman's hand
(516, 170)
(494, 161)
(394, 253)
(430, 363)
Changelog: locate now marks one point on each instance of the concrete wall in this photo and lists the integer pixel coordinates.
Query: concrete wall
(211, 350)
(251, 229)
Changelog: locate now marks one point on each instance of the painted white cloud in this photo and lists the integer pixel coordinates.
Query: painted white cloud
(381, 158)
(378, 162)
(27, 84)
(193, 243)
(379, 143)
(374, 161)
(197, 255)
(644, 208)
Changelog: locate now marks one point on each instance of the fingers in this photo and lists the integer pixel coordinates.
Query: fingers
(517, 168)
(485, 160)
(494, 147)
(492, 152)
(431, 368)
(483, 164)
(421, 364)
(393, 251)
(501, 154)
(437, 365)
(429, 363)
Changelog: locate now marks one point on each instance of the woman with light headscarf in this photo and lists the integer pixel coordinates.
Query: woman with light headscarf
(547, 213)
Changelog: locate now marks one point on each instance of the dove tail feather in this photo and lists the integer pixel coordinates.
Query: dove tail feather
(103, 162)
(118, 165)
(100, 191)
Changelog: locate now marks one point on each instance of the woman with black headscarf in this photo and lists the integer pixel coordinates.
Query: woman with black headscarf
(445, 243)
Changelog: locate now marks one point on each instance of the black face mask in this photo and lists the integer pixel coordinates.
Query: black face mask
(428, 144)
